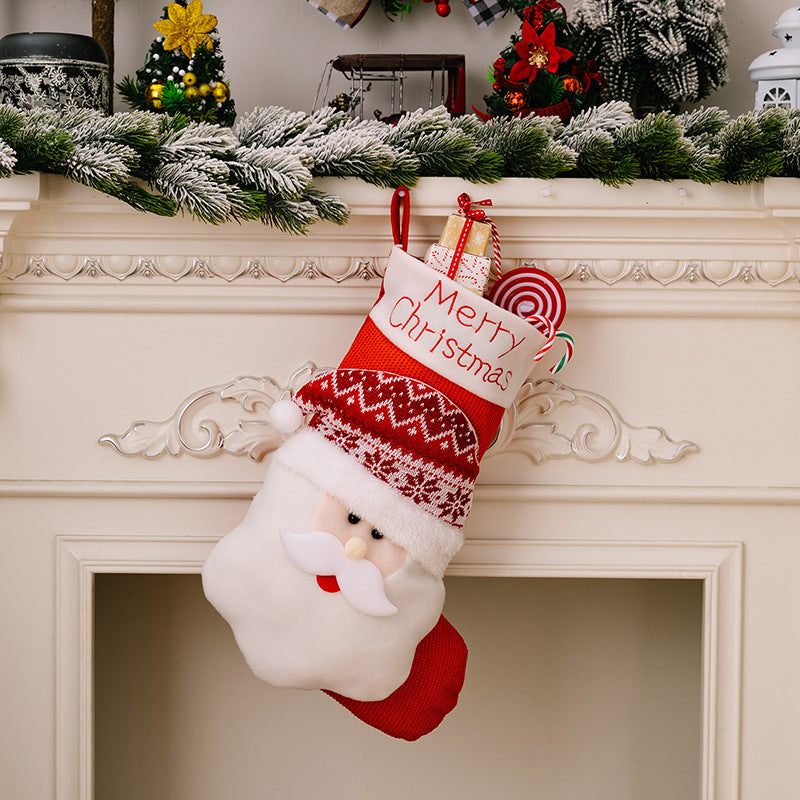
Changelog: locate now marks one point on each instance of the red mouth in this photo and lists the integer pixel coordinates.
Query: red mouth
(328, 583)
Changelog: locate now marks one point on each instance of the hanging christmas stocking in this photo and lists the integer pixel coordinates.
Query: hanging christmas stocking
(333, 580)
(485, 12)
(345, 13)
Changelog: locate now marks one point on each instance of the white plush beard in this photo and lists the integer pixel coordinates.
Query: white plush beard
(291, 632)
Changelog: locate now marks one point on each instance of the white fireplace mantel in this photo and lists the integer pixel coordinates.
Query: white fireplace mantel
(668, 447)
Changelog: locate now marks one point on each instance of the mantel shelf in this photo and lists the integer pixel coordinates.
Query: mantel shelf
(648, 235)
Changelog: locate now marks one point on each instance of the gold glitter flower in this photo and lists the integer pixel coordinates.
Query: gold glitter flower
(187, 28)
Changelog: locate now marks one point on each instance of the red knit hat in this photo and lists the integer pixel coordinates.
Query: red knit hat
(403, 431)
(398, 430)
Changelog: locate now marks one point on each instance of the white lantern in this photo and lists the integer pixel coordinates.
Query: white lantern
(778, 72)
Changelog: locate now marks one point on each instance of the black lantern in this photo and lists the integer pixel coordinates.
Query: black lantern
(53, 70)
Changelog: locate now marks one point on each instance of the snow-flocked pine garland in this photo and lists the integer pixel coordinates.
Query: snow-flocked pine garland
(264, 167)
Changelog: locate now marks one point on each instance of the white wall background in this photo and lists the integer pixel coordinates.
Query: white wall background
(275, 49)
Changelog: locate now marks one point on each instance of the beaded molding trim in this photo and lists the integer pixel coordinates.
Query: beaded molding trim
(283, 269)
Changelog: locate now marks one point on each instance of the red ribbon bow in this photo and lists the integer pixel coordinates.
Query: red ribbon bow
(465, 203)
(465, 209)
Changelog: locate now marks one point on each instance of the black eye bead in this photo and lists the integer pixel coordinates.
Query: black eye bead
(376, 534)
(353, 519)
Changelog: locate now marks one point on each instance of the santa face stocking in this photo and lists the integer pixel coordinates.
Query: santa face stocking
(306, 614)
(333, 580)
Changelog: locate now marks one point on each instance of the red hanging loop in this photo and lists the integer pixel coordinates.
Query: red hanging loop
(400, 217)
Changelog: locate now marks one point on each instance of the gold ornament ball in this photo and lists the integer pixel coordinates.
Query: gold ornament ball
(205, 90)
(191, 93)
(341, 102)
(152, 94)
(221, 92)
(571, 84)
(514, 100)
(189, 79)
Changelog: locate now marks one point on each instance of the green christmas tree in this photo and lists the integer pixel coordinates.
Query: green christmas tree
(655, 54)
(538, 73)
(184, 68)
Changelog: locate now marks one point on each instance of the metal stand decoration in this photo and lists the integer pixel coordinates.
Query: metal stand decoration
(364, 70)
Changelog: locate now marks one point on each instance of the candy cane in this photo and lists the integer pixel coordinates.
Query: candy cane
(570, 343)
(552, 335)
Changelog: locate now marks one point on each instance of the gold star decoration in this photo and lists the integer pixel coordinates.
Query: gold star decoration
(186, 28)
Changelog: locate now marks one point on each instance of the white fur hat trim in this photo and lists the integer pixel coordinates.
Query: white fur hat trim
(428, 540)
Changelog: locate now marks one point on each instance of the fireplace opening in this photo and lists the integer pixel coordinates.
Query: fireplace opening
(576, 688)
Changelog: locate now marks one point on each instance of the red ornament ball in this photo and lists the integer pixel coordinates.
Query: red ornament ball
(572, 84)
(514, 100)
(443, 9)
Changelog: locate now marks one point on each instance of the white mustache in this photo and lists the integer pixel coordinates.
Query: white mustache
(360, 581)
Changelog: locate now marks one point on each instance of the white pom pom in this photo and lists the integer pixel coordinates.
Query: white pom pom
(285, 416)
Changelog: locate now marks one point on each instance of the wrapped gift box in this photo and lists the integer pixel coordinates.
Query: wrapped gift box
(472, 271)
(478, 237)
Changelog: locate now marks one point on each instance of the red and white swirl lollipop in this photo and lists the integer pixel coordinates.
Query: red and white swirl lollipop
(530, 292)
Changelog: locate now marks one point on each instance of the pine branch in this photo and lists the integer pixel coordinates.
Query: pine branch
(289, 216)
(607, 117)
(486, 167)
(751, 146)
(346, 153)
(319, 125)
(599, 157)
(102, 165)
(443, 152)
(183, 140)
(106, 156)
(270, 126)
(12, 122)
(705, 165)
(328, 207)
(791, 146)
(273, 170)
(131, 94)
(42, 144)
(8, 160)
(556, 159)
(654, 53)
(658, 144)
(201, 189)
(520, 142)
(703, 122)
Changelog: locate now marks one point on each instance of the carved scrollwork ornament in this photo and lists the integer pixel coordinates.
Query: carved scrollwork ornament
(551, 420)
(547, 420)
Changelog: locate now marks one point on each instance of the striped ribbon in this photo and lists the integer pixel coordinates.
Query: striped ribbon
(465, 203)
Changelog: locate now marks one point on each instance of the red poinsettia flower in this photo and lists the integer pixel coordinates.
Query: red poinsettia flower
(537, 52)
